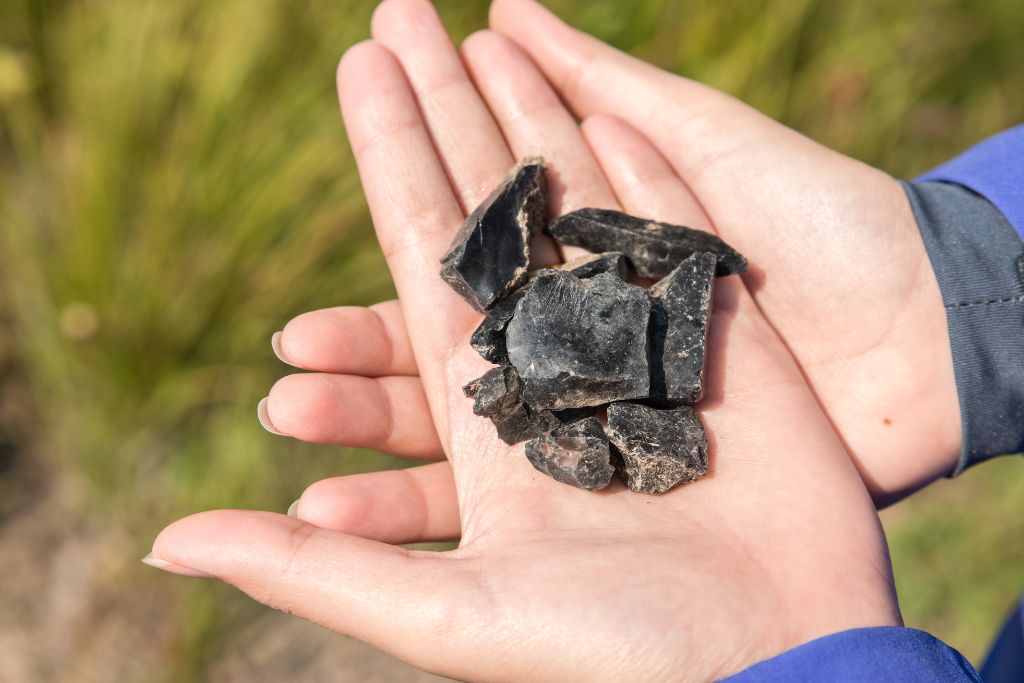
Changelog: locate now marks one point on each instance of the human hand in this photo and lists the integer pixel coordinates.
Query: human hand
(838, 267)
(778, 545)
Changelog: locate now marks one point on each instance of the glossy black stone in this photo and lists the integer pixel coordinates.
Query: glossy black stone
(490, 253)
(489, 337)
(590, 265)
(653, 248)
(498, 394)
(499, 391)
(576, 454)
(579, 342)
(680, 315)
(657, 450)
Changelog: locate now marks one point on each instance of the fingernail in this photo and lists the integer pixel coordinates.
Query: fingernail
(172, 568)
(275, 344)
(264, 416)
(293, 510)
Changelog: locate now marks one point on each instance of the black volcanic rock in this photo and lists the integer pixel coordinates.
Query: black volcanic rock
(498, 394)
(653, 248)
(580, 343)
(680, 315)
(576, 454)
(489, 337)
(590, 265)
(489, 255)
(499, 391)
(657, 450)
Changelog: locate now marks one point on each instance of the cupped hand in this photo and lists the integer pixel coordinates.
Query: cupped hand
(839, 268)
(778, 545)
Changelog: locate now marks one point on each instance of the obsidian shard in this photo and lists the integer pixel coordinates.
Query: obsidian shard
(580, 343)
(489, 337)
(576, 454)
(681, 312)
(489, 255)
(574, 338)
(590, 265)
(657, 450)
(498, 394)
(653, 248)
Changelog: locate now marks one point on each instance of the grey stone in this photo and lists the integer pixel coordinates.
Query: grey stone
(657, 450)
(525, 423)
(489, 337)
(590, 265)
(580, 343)
(490, 253)
(498, 394)
(680, 315)
(653, 248)
(576, 454)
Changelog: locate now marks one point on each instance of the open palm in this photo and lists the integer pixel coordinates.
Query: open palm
(778, 545)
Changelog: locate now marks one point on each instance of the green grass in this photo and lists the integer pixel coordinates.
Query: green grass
(175, 184)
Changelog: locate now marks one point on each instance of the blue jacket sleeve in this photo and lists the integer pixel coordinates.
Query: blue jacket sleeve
(865, 654)
(994, 168)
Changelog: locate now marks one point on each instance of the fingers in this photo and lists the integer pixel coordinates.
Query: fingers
(464, 133)
(410, 505)
(535, 122)
(352, 340)
(388, 414)
(385, 595)
(593, 77)
(644, 182)
(414, 210)
(467, 140)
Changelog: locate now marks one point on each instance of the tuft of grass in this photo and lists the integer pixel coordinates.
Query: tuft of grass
(175, 184)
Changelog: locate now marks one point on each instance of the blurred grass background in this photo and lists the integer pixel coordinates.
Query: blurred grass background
(175, 184)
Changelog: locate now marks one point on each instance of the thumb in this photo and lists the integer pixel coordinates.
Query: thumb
(396, 599)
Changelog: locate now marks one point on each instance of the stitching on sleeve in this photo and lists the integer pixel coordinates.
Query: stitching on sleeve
(1006, 300)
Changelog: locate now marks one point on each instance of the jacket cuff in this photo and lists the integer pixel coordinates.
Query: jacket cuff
(978, 260)
(884, 653)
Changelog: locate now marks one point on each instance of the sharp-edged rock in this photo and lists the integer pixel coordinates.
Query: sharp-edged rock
(576, 454)
(489, 255)
(653, 248)
(580, 343)
(489, 337)
(680, 315)
(657, 450)
(590, 265)
(498, 394)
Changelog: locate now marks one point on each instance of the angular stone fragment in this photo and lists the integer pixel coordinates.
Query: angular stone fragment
(680, 314)
(657, 450)
(499, 391)
(590, 265)
(576, 454)
(498, 394)
(525, 423)
(653, 248)
(489, 255)
(580, 343)
(489, 337)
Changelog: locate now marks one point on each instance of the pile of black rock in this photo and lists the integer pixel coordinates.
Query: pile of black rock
(574, 339)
